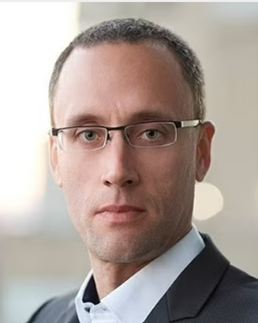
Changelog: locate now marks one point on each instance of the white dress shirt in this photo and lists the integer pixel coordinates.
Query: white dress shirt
(135, 298)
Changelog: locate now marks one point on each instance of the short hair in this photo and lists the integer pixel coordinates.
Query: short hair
(135, 31)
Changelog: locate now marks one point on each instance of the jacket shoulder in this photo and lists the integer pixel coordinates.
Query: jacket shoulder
(241, 286)
(53, 308)
(235, 299)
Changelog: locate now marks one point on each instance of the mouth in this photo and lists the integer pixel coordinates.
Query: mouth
(120, 213)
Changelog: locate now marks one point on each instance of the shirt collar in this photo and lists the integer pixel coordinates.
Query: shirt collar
(135, 298)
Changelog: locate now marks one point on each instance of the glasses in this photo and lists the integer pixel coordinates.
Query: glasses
(140, 135)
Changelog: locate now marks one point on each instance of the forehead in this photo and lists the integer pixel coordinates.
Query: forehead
(116, 83)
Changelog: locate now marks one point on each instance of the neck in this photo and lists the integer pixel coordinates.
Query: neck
(109, 276)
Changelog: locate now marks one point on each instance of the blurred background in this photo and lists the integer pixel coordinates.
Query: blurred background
(41, 255)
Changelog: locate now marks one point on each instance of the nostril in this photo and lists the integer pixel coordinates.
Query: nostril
(124, 183)
(107, 183)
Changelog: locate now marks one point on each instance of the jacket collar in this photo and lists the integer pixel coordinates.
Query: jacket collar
(193, 287)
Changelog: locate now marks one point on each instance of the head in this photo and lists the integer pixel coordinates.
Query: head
(129, 204)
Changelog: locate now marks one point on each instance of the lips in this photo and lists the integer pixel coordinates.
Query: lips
(120, 209)
(120, 213)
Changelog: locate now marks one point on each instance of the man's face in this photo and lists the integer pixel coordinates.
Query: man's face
(128, 204)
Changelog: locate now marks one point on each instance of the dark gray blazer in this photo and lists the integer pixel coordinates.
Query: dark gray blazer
(209, 290)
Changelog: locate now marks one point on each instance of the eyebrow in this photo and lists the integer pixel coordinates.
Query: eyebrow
(81, 119)
(86, 118)
(150, 115)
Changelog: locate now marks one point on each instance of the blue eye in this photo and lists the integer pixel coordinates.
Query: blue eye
(89, 135)
(152, 134)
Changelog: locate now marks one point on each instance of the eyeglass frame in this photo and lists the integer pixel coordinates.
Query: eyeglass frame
(178, 124)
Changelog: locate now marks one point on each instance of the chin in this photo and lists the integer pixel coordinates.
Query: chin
(124, 255)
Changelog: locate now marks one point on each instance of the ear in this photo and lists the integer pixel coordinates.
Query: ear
(203, 152)
(54, 161)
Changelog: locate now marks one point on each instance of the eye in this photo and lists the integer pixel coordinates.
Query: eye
(88, 135)
(151, 134)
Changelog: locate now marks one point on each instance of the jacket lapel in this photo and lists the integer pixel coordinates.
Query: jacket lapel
(69, 315)
(73, 318)
(188, 294)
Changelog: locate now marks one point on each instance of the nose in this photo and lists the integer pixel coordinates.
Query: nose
(120, 167)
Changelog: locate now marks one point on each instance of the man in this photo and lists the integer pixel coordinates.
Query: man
(128, 142)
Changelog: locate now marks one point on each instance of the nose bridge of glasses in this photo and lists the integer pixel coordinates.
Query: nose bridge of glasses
(120, 129)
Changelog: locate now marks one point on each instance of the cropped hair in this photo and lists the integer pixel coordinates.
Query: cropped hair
(133, 31)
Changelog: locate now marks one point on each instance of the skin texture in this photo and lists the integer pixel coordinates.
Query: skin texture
(114, 85)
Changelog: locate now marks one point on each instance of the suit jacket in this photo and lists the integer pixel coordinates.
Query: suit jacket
(209, 290)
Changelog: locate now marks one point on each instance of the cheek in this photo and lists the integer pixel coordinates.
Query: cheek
(76, 170)
(171, 174)
(77, 174)
(164, 165)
